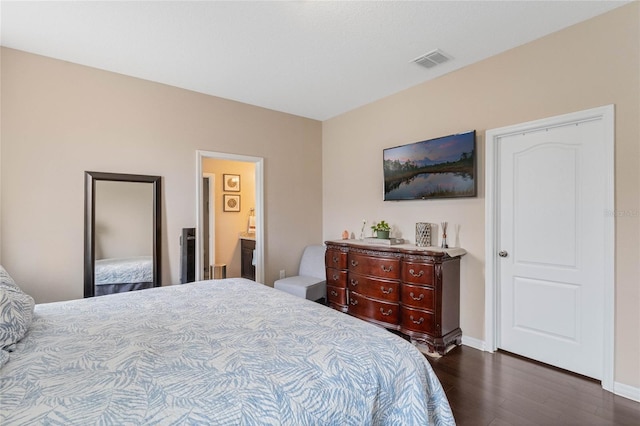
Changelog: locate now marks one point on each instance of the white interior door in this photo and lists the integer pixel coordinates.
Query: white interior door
(551, 191)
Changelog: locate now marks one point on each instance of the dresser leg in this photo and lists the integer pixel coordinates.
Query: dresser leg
(440, 345)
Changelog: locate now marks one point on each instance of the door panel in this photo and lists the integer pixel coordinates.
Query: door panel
(545, 204)
(547, 308)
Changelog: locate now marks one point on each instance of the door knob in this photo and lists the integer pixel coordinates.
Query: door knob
(503, 253)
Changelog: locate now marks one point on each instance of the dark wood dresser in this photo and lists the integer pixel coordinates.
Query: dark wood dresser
(410, 289)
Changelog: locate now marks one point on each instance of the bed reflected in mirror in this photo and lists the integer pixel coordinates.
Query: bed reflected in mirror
(122, 233)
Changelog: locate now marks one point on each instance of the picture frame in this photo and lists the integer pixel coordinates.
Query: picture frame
(444, 167)
(231, 203)
(231, 183)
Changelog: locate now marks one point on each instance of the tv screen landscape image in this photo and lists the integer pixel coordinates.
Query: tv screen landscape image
(443, 167)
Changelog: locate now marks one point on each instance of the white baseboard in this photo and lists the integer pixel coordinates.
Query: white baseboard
(620, 389)
(473, 342)
(626, 391)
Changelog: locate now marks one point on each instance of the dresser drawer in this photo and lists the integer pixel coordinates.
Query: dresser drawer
(417, 320)
(337, 295)
(335, 259)
(376, 266)
(418, 273)
(336, 277)
(362, 306)
(372, 287)
(417, 296)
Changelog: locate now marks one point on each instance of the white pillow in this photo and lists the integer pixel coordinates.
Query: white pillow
(5, 278)
(16, 314)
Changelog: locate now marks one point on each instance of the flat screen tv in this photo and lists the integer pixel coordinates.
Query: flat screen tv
(443, 167)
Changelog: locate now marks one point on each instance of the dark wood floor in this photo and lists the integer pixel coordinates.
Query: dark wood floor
(503, 389)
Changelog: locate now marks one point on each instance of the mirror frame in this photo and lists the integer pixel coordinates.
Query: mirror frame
(90, 224)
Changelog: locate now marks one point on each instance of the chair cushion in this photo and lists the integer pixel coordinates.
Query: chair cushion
(310, 288)
(312, 262)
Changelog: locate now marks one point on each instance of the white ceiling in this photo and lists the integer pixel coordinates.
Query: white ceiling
(313, 59)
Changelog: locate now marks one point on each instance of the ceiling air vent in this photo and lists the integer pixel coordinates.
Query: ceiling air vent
(433, 58)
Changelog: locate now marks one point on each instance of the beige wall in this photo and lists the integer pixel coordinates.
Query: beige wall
(591, 64)
(229, 225)
(60, 119)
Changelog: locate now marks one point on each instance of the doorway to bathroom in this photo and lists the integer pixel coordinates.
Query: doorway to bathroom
(229, 215)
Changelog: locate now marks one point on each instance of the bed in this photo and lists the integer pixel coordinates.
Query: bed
(118, 275)
(219, 352)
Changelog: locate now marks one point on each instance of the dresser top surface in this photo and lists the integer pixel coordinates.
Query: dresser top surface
(401, 248)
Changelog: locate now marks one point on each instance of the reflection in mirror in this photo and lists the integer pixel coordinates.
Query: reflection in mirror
(123, 236)
(122, 233)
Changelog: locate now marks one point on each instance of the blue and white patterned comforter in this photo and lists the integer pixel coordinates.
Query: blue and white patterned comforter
(227, 352)
(136, 269)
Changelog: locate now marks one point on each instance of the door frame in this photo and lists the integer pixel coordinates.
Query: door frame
(259, 185)
(212, 219)
(492, 220)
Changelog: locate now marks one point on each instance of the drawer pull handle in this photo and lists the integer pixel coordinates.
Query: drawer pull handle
(335, 277)
(354, 282)
(386, 291)
(353, 302)
(387, 269)
(334, 293)
(420, 321)
(416, 298)
(335, 259)
(354, 263)
(386, 314)
(418, 275)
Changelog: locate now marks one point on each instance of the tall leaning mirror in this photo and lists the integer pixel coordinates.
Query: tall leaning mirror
(122, 233)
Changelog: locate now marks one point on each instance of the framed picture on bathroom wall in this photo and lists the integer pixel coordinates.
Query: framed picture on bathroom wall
(232, 183)
(231, 203)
